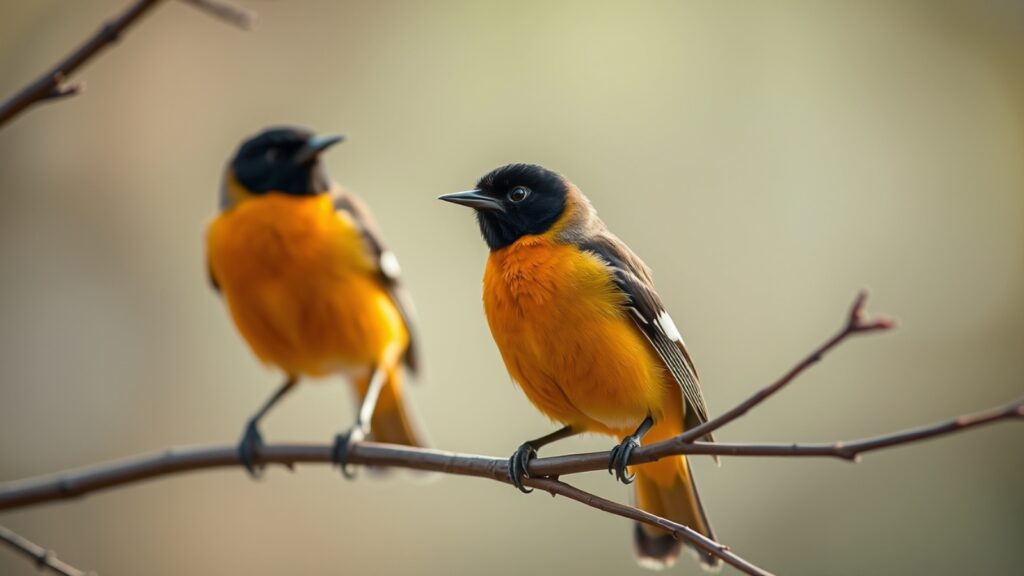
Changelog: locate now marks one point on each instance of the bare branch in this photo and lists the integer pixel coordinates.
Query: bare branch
(44, 559)
(53, 84)
(544, 472)
(73, 484)
(856, 323)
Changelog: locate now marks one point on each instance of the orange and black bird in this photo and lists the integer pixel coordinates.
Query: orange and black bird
(310, 285)
(582, 331)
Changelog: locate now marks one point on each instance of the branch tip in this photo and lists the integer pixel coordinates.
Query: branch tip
(857, 309)
(858, 317)
(234, 15)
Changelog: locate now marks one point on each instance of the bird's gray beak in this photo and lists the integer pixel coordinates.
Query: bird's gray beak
(314, 146)
(474, 199)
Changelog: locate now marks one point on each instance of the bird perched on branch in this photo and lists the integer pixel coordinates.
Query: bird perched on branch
(310, 285)
(582, 331)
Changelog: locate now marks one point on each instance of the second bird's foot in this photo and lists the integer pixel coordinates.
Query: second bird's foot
(342, 446)
(617, 463)
(517, 466)
(251, 442)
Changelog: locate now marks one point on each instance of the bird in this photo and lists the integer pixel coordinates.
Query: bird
(584, 334)
(311, 286)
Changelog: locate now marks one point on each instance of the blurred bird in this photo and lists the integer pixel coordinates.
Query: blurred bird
(310, 285)
(581, 330)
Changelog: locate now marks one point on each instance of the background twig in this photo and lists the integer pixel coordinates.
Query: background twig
(244, 19)
(53, 84)
(44, 559)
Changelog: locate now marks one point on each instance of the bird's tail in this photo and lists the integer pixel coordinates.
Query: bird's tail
(666, 488)
(393, 421)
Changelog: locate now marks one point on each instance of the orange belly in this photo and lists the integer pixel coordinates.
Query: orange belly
(560, 325)
(300, 286)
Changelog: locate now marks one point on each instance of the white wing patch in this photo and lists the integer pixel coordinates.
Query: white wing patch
(389, 264)
(665, 323)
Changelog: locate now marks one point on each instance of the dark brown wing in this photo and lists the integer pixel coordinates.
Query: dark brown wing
(647, 311)
(387, 268)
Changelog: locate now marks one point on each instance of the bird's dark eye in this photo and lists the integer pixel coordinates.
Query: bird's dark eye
(518, 194)
(272, 155)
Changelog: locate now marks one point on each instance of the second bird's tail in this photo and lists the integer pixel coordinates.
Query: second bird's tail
(392, 421)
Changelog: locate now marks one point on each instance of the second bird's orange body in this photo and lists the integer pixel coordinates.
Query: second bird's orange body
(301, 288)
(310, 285)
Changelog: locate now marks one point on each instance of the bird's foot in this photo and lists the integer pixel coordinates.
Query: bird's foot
(617, 463)
(248, 448)
(517, 466)
(342, 446)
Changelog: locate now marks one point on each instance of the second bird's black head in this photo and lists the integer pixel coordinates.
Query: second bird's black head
(514, 201)
(285, 160)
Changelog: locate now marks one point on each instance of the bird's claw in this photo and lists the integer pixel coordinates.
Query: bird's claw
(517, 465)
(342, 445)
(251, 443)
(617, 463)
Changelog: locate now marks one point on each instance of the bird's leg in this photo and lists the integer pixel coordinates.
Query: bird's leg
(527, 450)
(252, 441)
(621, 453)
(361, 429)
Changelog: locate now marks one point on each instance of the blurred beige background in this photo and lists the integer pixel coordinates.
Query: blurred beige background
(766, 159)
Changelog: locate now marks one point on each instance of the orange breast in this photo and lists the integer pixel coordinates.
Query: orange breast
(558, 320)
(299, 285)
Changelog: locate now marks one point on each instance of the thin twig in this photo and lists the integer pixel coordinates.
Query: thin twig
(856, 323)
(64, 89)
(53, 84)
(575, 463)
(44, 559)
(244, 19)
(701, 541)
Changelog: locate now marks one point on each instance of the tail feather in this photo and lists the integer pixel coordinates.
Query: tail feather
(393, 421)
(667, 489)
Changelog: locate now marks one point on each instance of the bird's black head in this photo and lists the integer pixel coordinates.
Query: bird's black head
(513, 201)
(283, 160)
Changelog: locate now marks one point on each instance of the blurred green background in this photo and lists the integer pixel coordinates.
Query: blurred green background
(767, 159)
